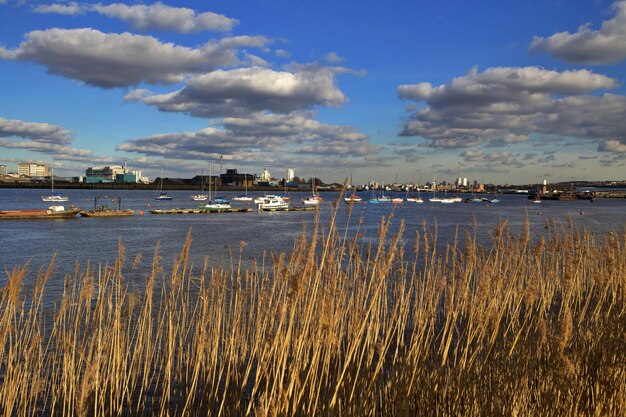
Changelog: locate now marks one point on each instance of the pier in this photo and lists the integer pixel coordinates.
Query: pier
(201, 211)
(303, 208)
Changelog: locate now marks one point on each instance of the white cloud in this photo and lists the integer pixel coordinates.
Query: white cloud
(504, 106)
(587, 46)
(41, 132)
(153, 16)
(119, 60)
(43, 138)
(333, 57)
(281, 53)
(494, 156)
(612, 146)
(258, 138)
(71, 8)
(161, 16)
(247, 90)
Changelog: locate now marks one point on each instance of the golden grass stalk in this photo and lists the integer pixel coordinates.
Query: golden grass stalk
(334, 328)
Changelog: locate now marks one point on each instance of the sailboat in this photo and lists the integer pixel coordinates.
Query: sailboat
(215, 204)
(415, 199)
(434, 199)
(54, 198)
(201, 196)
(313, 200)
(245, 197)
(160, 195)
(353, 198)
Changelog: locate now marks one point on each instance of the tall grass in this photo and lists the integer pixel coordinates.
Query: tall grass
(521, 327)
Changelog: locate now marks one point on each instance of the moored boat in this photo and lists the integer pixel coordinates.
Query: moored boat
(201, 196)
(312, 200)
(52, 212)
(273, 203)
(244, 198)
(107, 211)
(160, 195)
(352, 199)
(54, 198)
(216, 205)
(417, 200)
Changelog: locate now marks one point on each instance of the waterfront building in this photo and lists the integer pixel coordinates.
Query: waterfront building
(32, 170)
(109, 174)
(290, 174)
(232, 177)
(3, 170)
(266, 176)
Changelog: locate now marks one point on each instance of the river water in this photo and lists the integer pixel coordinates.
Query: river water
(215, 235)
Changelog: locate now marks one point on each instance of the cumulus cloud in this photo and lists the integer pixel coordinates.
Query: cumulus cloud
(612, 146)
(145, 17)
(58, 151)
(119, 60)
(71, 8)
(334, 57)
(161, 16)
(41, 132)
(43, 138)
(242, 91)
(258, 137)
(587, 46)
(503, 106)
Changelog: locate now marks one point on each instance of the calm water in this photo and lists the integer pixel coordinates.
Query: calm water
(93, 239)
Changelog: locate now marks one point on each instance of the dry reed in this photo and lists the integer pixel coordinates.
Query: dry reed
(335, 328)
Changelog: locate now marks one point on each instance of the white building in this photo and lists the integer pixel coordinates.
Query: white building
(3, 169)
(290, 174)
(32, 170)
(266, 176)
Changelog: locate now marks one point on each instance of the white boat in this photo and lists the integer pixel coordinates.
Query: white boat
(244, 198)
(397, 200)
(54, 198)
(433, 199)
(415, 199)
(352, 199)
(259, 200)
(313, 200)
(217, 203)
(201, 196)
(273, 203)
(160, 195)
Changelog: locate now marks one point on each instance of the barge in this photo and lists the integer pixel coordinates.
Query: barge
(52, 212)
(106, 211)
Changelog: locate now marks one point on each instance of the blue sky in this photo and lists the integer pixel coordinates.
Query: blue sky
(508, 92)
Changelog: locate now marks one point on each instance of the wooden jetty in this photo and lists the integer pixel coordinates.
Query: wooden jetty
(200, 211)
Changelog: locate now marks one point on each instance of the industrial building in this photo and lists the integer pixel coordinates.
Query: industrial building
(232, 177)
(109, 174)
